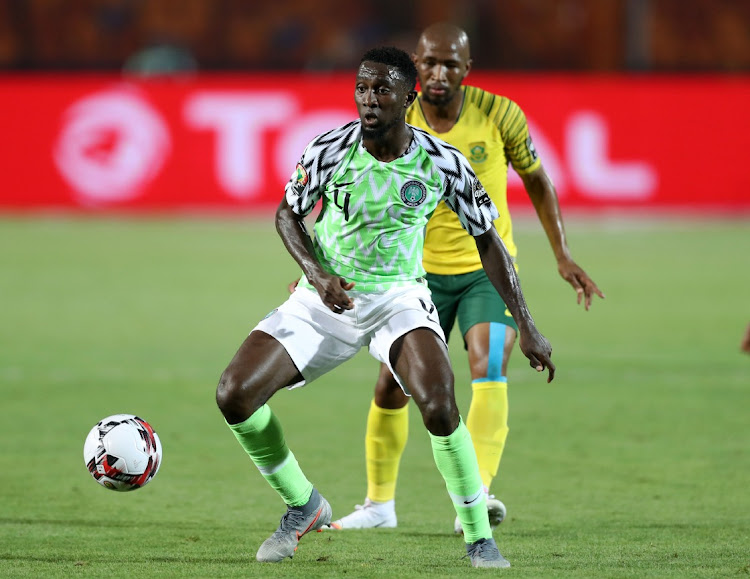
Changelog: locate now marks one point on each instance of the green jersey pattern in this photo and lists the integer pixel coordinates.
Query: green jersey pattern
(371, 226)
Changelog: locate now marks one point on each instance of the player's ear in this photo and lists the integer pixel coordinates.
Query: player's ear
(468, 67)
(410, 96)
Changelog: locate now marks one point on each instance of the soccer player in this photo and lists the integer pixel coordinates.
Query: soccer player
(363, 286)
(490, 130)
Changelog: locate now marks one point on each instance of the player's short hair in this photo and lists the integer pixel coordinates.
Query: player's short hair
(395, 58)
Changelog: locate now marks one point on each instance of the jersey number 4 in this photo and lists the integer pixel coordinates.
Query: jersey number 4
(344, 205)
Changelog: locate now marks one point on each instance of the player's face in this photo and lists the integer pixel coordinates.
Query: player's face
(381, 96)
(442, 65)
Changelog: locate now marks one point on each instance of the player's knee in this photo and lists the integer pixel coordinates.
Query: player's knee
(232, 394)
(439, 414)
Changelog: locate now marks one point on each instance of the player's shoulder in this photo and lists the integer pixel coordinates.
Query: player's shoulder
(445, 157)
(489, 102)
(435, 146)
(331, 146)
(345, 134)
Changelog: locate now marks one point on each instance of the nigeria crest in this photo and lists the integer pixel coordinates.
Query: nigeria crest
(413, 193)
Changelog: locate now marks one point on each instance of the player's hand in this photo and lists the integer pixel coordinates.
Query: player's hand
(538, 350)
(332, 290)
(745, 344)
(293, 285)
(581, 282)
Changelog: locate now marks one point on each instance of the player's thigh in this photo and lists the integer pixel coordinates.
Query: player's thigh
(488, 329)
(262, 355)
(399, 313)
(388, 393)
(421, 360)
(260, 368)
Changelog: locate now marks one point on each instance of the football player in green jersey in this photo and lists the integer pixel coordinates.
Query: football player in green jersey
(491, 131)
(379, 180)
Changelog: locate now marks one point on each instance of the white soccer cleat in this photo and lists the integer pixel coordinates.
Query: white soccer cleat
(495, 512)
(371, 515)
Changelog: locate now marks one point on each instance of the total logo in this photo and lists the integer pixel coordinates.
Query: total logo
(112, 144)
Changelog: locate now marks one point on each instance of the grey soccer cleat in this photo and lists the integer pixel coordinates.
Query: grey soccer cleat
(294, 524)
(484, 553)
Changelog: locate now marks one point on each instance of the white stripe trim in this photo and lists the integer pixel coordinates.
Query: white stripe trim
(273, 469)
(468, 501)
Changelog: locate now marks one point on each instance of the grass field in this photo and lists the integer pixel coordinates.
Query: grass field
(634, 462)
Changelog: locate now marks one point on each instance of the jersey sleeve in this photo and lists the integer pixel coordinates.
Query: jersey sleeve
(319, 160)
(465, 195)
(519, 148)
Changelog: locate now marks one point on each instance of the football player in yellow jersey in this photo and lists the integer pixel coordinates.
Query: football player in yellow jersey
(491, 131)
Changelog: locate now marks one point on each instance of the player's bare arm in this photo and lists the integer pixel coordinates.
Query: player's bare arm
(542, 193)
(331, 288)
(498, 265)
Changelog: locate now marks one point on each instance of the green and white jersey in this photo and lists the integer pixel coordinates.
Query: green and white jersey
(371, 226)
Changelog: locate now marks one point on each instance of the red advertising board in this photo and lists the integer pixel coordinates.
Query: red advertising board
(99, 143)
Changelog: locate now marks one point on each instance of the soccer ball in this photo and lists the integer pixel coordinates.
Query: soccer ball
(122, 452)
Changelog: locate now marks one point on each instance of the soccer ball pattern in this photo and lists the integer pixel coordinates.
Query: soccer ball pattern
(122, 452)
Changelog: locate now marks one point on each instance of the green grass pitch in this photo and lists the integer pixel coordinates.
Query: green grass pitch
(634, 462)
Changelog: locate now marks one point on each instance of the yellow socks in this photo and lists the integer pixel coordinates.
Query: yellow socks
(487, 422)
(385, 440)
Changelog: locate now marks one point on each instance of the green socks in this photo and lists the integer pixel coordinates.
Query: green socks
(263, 439)
(457, 462)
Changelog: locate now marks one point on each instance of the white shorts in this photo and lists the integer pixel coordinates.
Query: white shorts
(318, 340)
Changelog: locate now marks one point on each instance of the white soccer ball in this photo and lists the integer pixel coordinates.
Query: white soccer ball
(122, 452)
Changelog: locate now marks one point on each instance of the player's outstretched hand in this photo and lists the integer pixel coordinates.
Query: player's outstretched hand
(332, 290)
(539, 352)
(581, 282)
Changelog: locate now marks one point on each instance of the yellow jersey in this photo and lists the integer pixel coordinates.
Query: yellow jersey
(491, 131)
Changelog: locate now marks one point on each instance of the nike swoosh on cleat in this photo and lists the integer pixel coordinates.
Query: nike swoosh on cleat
(317, 516)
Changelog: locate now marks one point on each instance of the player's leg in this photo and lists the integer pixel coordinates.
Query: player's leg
(260, 368)
(420, 359)
(386, 435)
(411, 342)
(488, 414)
(385, 440)
(489, 335)
(487, 419)
(284, 349)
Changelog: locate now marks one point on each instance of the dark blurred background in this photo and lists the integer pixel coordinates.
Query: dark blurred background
(569, 35)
